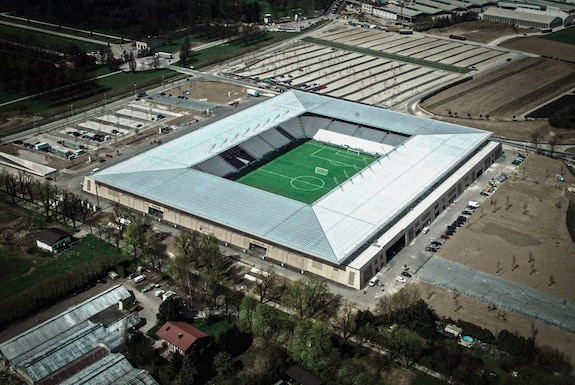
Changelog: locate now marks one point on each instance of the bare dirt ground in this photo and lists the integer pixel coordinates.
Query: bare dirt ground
(510, 91)
(214, 92)
(523, 220)
(481, 31)
(544, 47)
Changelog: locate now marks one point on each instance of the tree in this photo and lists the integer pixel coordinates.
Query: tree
(170, 310)
(311, 345)
(265, 321)
(211, 258)
(345, 319)
(154, 250)
(269, 286)
(247, 308)
(134, 238)
(189, 372)
(46, 193)
(306, 296)
(140, 350)
(185, 50)
(224, 364)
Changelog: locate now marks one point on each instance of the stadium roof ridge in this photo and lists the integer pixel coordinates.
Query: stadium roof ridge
(333, 227)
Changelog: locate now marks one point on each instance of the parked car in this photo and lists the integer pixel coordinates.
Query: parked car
(436, 243)
(449, 232)
(401, 279)
(462, 218)
(159, 293)
(431, 249)
(373, 281)
(466, 212)
(483, 193)
(445, 236)
(406, 274)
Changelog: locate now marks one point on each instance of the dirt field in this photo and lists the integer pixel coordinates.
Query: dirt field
(214, 92)
(521, 219)
(481, 31)
(519, 88)
(543, 47)
(511, 91)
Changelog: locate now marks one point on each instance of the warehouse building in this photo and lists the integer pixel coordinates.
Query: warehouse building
(540, 20)
(421, 166)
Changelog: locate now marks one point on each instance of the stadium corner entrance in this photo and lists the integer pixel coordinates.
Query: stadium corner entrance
(257, 250)
(395, 248)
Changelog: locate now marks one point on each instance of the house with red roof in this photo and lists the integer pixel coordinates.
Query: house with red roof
(181, 336)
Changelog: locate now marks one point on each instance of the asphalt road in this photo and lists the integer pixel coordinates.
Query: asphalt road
(504, 294)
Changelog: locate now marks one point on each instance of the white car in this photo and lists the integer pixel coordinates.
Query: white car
(159, 293)
(401, 279)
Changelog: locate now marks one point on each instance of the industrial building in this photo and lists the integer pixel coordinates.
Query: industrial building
(347, 235)
(79, 345)
(523, 18)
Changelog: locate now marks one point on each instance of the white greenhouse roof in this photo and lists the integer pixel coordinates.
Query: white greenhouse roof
(49, 333)
(333, 227)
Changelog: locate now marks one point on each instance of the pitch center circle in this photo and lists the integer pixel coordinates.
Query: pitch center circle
(307, 183)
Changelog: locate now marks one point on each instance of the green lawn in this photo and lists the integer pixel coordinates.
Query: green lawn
(566, 35)
(58, 43)
(23, 271)
(307, 172)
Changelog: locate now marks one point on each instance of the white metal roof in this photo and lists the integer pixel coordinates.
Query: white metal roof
(513, 14)
(331, 228)
(64, 325)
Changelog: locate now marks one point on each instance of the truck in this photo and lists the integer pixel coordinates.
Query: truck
(251, 92)
(165, 55)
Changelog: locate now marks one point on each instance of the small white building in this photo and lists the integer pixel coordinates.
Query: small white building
(53, 239)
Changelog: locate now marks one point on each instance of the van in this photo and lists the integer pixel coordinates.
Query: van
(139, 278)
(425, 230)
(373, 281)
(167, 295)
(473, 204)
(113, 275)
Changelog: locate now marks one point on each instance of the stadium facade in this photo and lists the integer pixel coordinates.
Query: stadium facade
(349, 234)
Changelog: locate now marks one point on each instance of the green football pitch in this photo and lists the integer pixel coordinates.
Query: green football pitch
(307, 172)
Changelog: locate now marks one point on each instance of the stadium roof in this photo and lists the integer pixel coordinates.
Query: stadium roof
(333, 227)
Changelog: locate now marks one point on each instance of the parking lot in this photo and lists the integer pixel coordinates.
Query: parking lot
(365, 78)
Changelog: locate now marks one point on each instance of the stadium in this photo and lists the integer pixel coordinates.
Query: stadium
(313, 183)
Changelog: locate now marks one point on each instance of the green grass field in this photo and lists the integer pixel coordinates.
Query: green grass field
(307, 172)
(566, 35)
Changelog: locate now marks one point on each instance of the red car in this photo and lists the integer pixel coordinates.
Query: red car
(234, 104)
(108, 155)
(444, 236)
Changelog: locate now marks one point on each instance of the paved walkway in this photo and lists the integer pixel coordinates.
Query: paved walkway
(497, 291)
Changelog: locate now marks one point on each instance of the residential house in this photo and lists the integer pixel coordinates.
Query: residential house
(53, 239)
(181, 337)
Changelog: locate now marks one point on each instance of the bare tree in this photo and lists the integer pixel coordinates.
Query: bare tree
(535, 138)
(531, 257)
(551, 280)
(533, 269)
(269, 285)
(514, 264)
(345, 319)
